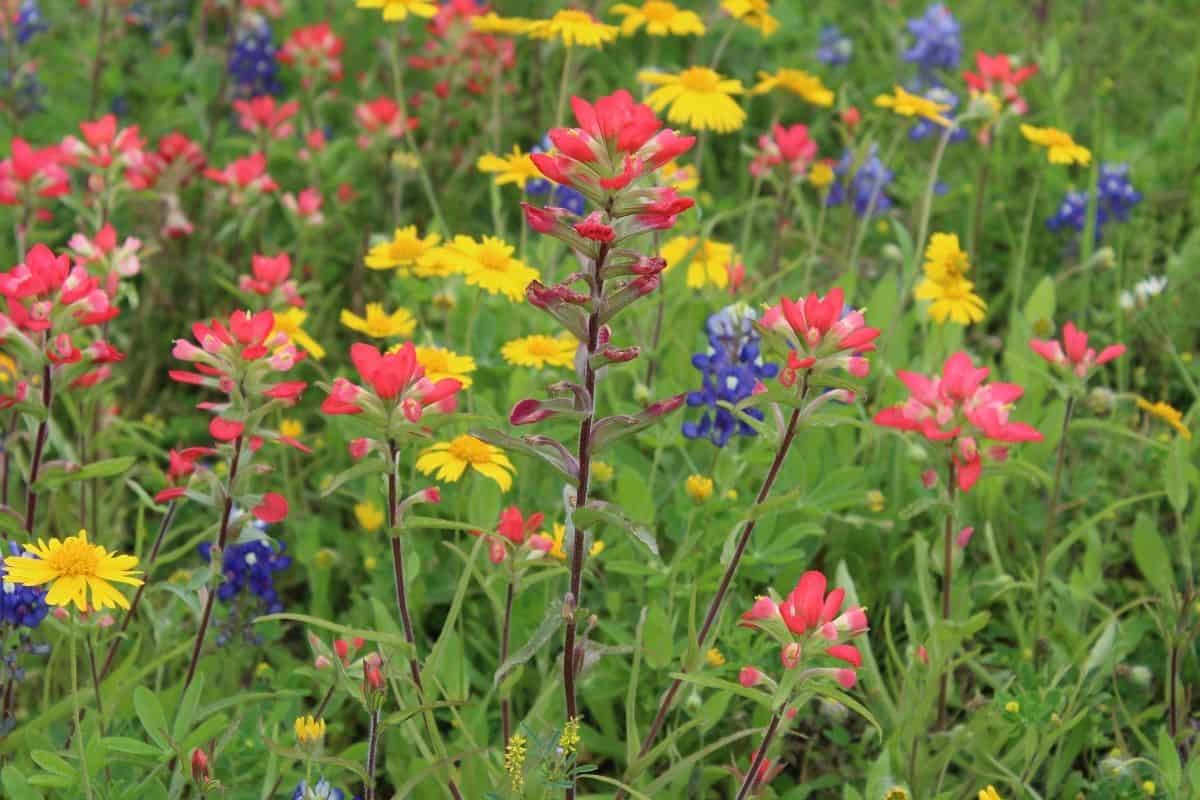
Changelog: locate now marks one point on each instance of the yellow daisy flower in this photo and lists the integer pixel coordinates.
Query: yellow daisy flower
(73, 567)
(309, 730)
(369, 516)
(398, 10)
(489, 264)
(660, 17)
(540, 351)
(944, 260)
(404, 251)
(755, 13)
(709, 262)
(800, 83)
(378, 324)
(1168, 414)
(441, 363)
(573, 27)
(907, 104)
(492, 22)
(1060, 147)
(516, 167)
(557, 551)
(289, 323)
(698, 97)
(436, 263)
(291, 428)
(953, 300)
(451, 459)
(680, 177)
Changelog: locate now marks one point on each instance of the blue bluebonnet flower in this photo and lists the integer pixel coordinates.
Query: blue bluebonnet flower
(870, 181)
(20, 606)
(322, 791)
(561, 196)
(937, 42)
(252, 65)
(924, 128)
(24, 88)
(730, 368)
(251, 566)
(29, 21)
(835, 48)
(1117, 199)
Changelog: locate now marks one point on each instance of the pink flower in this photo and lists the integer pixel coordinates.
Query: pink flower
(382, 117)
(749, 677)
(262, 116)
(273, 508)
(790, 147)
(958, 408)
(821, 334)
(306, 205)
(225, 430)
(315, 50)
(245, 177)
(1073, 353)
(997, 77)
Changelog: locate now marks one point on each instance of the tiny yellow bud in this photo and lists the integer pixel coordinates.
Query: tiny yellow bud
(1149, 788)
(731, 494)
(1012, 707)
(369, 516)
(262, 668)
(602, 471)
(699, 488)
(370, 563)
(876, 501)
(324, 558)
(820, 175)
(714, 657)
(309, 730)
(291, 428)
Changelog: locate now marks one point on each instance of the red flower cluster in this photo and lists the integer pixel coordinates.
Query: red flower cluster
(104, 145)
(271, 274)
(821, 333)
(382, 118)
(461, 57)
(956, 407)
(396, 380)
(809, 624)
(1074, 354)
(789, 147)
(246, 178)
(997, 77)
(515, 529)
(316, 50)
(30, 173)
(262, 116)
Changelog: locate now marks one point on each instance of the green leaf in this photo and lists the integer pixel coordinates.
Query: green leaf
(659, 642)
(762, 698)
(188, 704)
(59, 475)
(370, 466)
(1175, 477)
(1151, 556)
(133, 747)
(600, 513)
(1102, 650)
(16, 785)
(393, 639)
(1041, 302)
(53, 763)
(1168, 762)
(150, 712)
(550, 623)
(11, 522)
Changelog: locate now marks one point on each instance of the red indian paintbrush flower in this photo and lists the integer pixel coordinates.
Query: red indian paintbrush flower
(263, 116)
(271, 274)
(808, 624)
(382, 118)
(396, 380)
(821, 333)
(997, 77)
(316, 50)
(1073, 354)
(245, 178)
(103, 144)
(958, 408)
(789, 147)
(29, 173)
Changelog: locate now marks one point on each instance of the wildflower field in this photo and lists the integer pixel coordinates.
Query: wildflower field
(513, 399)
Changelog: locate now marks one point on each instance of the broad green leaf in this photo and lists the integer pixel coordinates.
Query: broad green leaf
(60, 475)
(150, 712)
(1151, 556)
(188, 704)
(658, 642)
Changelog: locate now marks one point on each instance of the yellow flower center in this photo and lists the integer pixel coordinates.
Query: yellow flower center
(542, 346)
(406, 249)
(573, 17)
(699, 79)
(493, 258)
(659, 11)
(74, 558)
(471, 450)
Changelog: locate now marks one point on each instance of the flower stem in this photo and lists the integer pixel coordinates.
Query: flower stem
(571, 603)
(394, 531)
(1051, 518)
(564, 82)
(718, 600)
(947, 581)
(372, 754)
(163, 526)
(222, 537)
(1018, 277)
(505, 712)
(760, 756)
(39, 449)
(78, 718)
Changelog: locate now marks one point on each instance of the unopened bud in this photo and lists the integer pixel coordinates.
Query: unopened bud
(199, 765)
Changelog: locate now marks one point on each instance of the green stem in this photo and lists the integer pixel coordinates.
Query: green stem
(1049, 525)
(83, 768)
(1018, 277)
(563, 83)
(927, 199)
